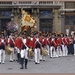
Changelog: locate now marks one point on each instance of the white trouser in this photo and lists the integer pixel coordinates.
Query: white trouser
(17, 51)
(42, 57)
(74, 49)
(37, 55)
(15, 56)
(12, 56)
(24, 53)
(56, 53)
(52, 51)
(2, 55)
(47, 46)
(65, 50)
(59, 51)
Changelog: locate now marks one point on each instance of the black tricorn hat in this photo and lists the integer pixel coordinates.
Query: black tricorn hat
(35, 32)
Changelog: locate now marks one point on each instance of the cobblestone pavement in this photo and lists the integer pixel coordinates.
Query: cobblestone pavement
(51, 65)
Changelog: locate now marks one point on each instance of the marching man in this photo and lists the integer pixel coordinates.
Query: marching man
(37, 48)
(10, 42)
(59, 45)
(24, 50)
(48, 43)
(43, 42)
(66, 43)
(2, 49)
(53, 47)
(31, 44)
(18, 41)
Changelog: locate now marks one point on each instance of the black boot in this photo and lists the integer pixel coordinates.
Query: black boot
(22, 62)
(18, 57)
(26, 61)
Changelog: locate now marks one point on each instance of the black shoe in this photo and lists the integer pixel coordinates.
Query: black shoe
(43, 60)
(36, 63)
(40, 60)
(14, 60)
(21, 68)
(25, 67)
(11, 61)
(0, 62)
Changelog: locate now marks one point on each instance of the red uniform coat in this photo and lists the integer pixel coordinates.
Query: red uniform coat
(21, 43)
(47, 41)
(59, 41)
(50, 41)
(54, 42)
(18, 42)
(2, 44)
(44, 41)
(66, 41)
(9, 42)
(40, 38)
(35, 42)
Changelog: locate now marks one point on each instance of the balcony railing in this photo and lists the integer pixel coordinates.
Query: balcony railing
(22, 3)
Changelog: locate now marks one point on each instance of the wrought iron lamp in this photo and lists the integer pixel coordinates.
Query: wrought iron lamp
(12, 17)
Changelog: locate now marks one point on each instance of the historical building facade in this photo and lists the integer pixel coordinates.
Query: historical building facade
(51, 16)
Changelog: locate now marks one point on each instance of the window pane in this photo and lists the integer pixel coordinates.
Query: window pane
(70, 19)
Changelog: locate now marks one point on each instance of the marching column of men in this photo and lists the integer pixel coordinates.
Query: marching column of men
(43, 43)
(56, 45)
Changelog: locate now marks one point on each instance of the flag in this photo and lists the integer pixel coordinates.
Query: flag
(27, 20)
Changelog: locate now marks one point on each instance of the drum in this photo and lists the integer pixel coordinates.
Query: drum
(44, 52)
(9, 50)
(31, 53)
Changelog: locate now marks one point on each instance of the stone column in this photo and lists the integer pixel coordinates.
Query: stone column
(56, 22)
(62, 22)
